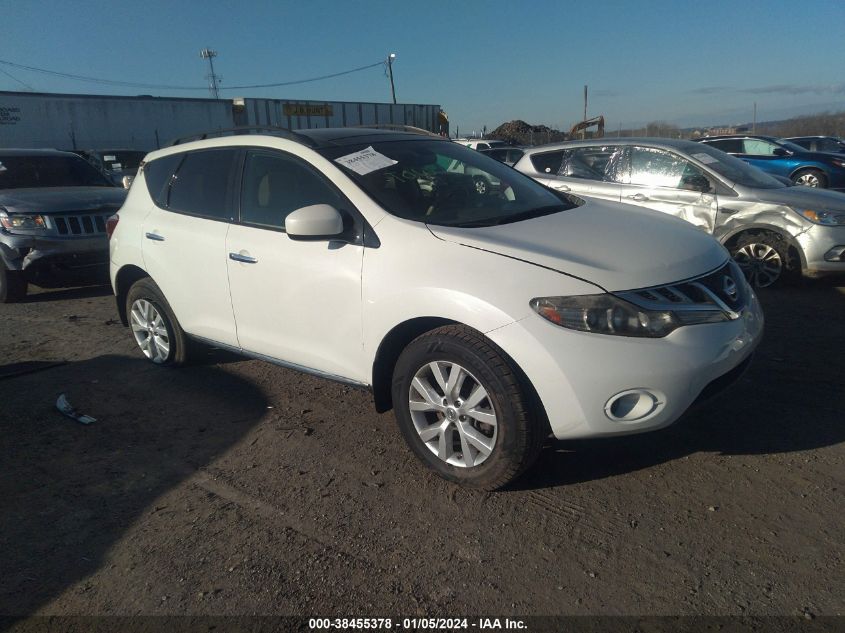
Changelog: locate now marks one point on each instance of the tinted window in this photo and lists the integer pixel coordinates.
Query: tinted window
(548, 162)
(19, 171)
(203, 183)
(157, 175)
(274, 185)
(729, 145)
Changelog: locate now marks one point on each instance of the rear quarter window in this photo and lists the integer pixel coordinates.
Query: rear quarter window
(157, 174)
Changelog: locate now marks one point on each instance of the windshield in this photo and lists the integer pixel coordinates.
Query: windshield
(121, 160)
(792, 147)
(734, 169)
(440, 182)
(19, 172)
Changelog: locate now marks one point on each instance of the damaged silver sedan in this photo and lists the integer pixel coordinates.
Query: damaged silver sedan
(54, 209)
(775, 232)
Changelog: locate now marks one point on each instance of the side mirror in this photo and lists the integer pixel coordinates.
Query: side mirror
(314, 222)
(126, 181)
(780, 151)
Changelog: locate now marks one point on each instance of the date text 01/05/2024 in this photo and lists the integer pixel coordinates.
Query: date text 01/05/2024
(414, 624)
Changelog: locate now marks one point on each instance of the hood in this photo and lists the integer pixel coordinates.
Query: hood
(616, 246)
(61, 199)
(804, 197)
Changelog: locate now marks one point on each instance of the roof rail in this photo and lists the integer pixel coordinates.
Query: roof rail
(247, 129)
(399, 127)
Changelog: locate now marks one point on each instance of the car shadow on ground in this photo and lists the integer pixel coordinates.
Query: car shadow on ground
(70, 491)
(40, 295)
(789, 400)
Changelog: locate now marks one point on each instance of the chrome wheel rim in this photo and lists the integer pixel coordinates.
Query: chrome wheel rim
(453, 414)
(808, 180)
(150, 331)
(761, 264)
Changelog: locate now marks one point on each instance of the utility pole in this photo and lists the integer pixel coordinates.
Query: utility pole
(390, 59)
(209, 54)
(754, 122)
(584, 130)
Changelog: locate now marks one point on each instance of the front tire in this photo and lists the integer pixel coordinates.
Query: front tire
(810, 178)
(13, 286)
(463, 410)
(765, 259)
(154, 326)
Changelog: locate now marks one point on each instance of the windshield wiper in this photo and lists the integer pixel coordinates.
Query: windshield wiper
(516, 217)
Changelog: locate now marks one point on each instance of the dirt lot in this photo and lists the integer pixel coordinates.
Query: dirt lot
(237, 487)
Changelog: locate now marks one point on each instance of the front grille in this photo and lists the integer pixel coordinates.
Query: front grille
(82, 223)
(725, 290)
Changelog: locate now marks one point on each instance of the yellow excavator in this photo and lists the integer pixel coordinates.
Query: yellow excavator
(581, 128)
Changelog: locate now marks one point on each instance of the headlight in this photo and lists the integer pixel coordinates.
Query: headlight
(20, 221)
(830, 218)
(606, 314)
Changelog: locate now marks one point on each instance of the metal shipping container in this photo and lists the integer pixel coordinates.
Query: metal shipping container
(68, 121)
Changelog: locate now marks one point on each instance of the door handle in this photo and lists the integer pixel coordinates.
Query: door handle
(246, 259)
(155, 237)
(727, 211)
(560, 187)
(638, 197)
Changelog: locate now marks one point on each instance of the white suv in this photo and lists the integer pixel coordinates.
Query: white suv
(485, 320)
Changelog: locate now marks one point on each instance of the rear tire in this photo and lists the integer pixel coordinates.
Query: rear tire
(463, 410)
(13, 286)
(154, 326)
(810, 178)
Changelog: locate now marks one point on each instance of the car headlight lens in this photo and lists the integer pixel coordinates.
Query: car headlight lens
(21, 221)
(606, 314)
(830, 218)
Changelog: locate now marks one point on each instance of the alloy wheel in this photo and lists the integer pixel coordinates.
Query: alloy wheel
(808, 180)
(761, 264)
(453, 414)
(150, 331)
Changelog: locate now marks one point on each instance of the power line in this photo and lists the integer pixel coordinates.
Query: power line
(131, 84)
(23, 83)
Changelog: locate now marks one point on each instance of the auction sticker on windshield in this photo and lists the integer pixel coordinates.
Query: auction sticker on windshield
(705, 158)
(365, 161)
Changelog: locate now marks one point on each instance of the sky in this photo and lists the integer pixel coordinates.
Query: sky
(484, 61)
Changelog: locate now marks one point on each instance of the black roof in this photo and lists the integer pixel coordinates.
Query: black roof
(34, 152)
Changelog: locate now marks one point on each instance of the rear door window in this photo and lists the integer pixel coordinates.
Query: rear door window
(547, 162)
(729, 145)
(203, 184)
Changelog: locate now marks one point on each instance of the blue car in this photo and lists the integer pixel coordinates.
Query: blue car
(780, 157)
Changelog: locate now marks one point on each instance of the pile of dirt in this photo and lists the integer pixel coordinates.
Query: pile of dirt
(519, 132)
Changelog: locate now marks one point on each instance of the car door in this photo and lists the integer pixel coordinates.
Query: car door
(294, 301)
(664, 181)
(185, 240)
(589, 171)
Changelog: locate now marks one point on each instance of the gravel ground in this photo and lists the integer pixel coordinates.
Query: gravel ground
(236, 487)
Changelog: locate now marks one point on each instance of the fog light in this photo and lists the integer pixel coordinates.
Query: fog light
(835, 254)
(632, 405)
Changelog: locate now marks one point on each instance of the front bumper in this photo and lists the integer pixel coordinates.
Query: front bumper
(821, 245)
(577, 375)
(51, 261)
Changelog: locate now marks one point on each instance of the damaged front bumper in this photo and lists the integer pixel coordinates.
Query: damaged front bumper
(50, 261)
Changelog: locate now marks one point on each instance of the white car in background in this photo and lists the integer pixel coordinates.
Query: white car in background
(486, 320)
